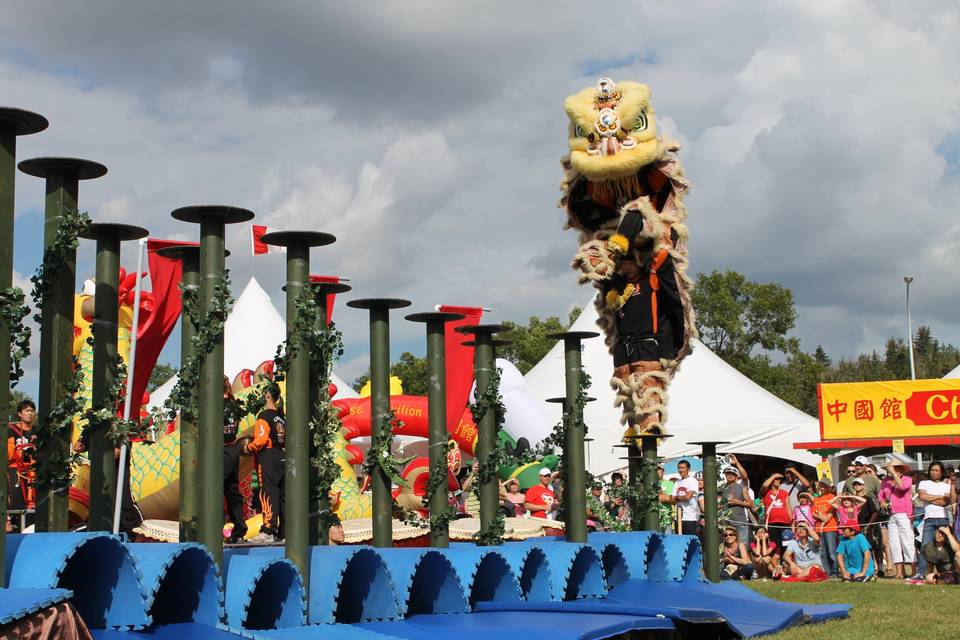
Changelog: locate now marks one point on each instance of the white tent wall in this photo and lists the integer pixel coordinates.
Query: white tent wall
(251, 334)
(953, 374)
(708, 400)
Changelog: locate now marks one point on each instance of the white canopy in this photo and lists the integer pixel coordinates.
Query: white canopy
(251, 334)
(954, 374)
(708, 400)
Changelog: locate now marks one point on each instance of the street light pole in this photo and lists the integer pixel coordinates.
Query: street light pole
(913, 370)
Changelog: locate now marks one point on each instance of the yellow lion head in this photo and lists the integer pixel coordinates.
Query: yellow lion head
(613, 130)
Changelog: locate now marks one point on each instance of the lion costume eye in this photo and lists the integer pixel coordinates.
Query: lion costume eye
(641, 122)
(579, 131)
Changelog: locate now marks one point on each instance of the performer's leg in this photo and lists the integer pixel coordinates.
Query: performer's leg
(648, 384)
(231, 489)
(271, 474)
(130, 516)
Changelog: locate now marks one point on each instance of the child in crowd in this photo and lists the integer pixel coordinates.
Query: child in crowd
(848, 510)
(855, 556)
(766, 555)
(803, 512)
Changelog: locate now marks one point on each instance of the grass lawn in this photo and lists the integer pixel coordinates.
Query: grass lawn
(883, 609)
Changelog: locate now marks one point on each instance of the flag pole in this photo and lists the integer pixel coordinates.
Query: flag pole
(128, 399)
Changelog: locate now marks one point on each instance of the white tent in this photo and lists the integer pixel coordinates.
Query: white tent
(954, 374)
(251, 334)
(708, 400)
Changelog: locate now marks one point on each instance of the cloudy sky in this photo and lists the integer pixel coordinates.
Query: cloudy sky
(822, 139)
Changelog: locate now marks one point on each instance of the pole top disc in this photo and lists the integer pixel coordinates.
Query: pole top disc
(330, 287)
(496, 342)
(115, 230)
(48, 166)
(434, 316)
(179, 251)
(24, 122)
(572, 335)
(298, 238)
(483, 329)
(379, 303)
(562, 399)
(225, 213)
(702, 443)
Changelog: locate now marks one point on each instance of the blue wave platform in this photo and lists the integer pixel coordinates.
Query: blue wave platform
(617, 585)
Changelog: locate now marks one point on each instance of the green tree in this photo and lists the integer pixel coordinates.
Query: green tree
(735, 315)
(160, 374)
(529, 342)
(412, 371)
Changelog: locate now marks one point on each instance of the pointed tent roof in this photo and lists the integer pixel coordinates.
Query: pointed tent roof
(708, 400)
(954, 374)
(251, 334)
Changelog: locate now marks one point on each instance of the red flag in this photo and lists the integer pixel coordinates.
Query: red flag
(459, 361)
(152, 334)
(331, 297)
(257, 245)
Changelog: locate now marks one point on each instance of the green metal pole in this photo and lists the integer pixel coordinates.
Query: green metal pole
(637, 521)
(483, 371)
(56, 329)
(320, 500)
(651, 483)
(295, 519)
(189, 257)
(711, 531)
(13, 123)
(575, 482)
(103, 476)
(380, 408)
(209, 480)
(437, 416)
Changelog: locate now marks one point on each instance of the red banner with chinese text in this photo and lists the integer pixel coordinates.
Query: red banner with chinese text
(892, 409)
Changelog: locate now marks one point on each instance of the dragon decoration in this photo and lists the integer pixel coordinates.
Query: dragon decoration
(623, 190)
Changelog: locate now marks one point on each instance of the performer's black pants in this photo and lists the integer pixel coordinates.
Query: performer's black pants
(270, 464)
(16, 499)
(231, 488)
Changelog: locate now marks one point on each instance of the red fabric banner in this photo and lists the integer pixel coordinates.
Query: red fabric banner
(459, 362)
(152, 334)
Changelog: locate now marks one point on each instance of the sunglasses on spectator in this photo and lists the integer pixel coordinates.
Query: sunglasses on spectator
(729, 535)
(851, 470)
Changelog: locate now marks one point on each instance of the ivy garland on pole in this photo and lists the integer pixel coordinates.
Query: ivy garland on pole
(119, 431)
(379, 457)
(208, 336)
(53, 470)
(490, 400)
(438, 482)
(13, 311)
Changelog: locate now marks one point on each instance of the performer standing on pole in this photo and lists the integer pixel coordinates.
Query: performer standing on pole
(231, 464)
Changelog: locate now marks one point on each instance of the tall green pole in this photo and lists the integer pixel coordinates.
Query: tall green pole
(484, 366)
(13, 123)
(380, 407)
(437, 416)
(320, 500)
(189, 256)
(711, 525)
(62, 176)
(575, 467)
(103, 476)
(213, 220)
(296, 525)
(650, 483)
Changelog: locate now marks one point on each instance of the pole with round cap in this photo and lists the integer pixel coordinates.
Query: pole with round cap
(296, 523)
(105, 326)
(643, 460)
(320, 501)
(574, 482)
(711, 525)
(63, 176)
(13, 122)
(212, 220)
(484, 364)
(380, 407)
(437, 414)
(189, 257)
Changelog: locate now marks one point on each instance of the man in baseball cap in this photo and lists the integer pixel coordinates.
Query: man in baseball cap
(540, 499)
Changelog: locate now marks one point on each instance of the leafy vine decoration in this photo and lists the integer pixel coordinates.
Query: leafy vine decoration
(379, 457)
(13, 311)
(209, 335)
(53, 467)
(489, 470)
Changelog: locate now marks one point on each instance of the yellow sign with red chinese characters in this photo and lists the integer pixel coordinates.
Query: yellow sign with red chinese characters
(894, 409)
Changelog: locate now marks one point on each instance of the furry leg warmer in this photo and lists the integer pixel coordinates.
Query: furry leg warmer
(641, 392)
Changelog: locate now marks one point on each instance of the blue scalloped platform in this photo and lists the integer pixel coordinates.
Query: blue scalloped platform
(615, 585)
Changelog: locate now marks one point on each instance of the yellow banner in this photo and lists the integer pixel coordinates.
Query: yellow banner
(894, 409)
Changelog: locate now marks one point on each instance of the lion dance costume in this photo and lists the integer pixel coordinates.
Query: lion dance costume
(623, 190)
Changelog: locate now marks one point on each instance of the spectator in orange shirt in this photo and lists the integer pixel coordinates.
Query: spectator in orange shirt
(826, 523)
